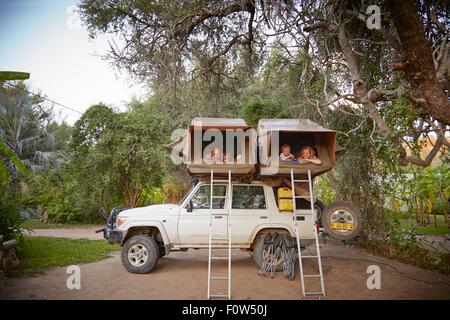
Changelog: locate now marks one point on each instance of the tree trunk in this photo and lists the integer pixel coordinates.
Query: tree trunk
(444, 208)
(420, 73)
(416, 210)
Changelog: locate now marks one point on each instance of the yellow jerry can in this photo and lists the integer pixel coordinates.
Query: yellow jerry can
(284, 193)
(285, 199)
(285, 204)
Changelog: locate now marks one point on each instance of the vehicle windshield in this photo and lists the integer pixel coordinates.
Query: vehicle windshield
(185, 196)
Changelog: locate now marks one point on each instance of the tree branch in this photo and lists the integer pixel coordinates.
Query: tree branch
(185, 27)
(390, 39)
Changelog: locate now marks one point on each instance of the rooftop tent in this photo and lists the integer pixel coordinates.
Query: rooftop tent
(233, 137)
(273, 133)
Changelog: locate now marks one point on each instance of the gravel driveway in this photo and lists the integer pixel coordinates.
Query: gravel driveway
(183, 275)
(76, 233)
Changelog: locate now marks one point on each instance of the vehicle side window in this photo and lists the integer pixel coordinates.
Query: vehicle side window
(201, 198)
(248, 197)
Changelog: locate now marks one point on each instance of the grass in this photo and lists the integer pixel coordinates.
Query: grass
(430, 229)
(36, 224)
(38, 254)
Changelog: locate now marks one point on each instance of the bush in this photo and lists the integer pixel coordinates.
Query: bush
(10, 219)
(256, 108)
(174, 188)
(61, 198)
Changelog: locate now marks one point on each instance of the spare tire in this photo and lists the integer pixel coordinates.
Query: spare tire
(342, 220)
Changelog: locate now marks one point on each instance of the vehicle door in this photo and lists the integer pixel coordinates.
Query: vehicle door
(193, 224)
(248, 210)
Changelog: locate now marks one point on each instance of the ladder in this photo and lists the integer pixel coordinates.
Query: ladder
(315, 230)
(212, 237)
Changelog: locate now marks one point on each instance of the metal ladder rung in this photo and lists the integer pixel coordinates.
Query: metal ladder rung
(306, 257)
(220, 181)
(218, 239)
(311, 275)
(221, 295)
(219, 258)
(219, 197)
(219, 214)
(219, 278)
(301, 180)
(314, 293)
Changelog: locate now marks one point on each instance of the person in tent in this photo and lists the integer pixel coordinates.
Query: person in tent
(307, 155)
(286, 154)
(215, 156)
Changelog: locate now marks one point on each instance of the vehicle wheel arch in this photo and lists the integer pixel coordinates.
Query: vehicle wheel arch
(270, 229)
(154, 231)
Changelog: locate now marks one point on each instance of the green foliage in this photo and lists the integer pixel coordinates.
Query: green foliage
(402, 243)
(256, 108)
(400, 115)
(152, 195)
(14, 75)
(324, 190)
(30, 136)
(174, 188)
(33, 224)
(11, 157)
(60, 197)
(442, 227)
(38, 254)
(10, 220)
(117, 160)
(155, 53)
(427, 192)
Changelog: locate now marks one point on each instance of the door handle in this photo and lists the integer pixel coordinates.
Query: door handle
(263, 217)
(218, 217)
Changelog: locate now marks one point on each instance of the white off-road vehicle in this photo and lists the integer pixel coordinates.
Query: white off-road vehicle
(262, 205)
(149, 233)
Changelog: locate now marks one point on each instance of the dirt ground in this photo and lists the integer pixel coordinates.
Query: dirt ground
(183, 275)
(75, 233)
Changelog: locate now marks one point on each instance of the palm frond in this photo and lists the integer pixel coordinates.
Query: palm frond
(4, 173)
(12, 157)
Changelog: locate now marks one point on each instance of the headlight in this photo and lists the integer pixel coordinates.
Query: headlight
(121, 221)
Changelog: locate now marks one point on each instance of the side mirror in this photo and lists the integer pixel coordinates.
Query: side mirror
(190, 206)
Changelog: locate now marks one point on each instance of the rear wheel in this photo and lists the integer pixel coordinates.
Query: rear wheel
(342, 220)
(258, 254)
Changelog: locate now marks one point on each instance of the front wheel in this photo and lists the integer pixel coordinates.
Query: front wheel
(140, 254)
(342, 220)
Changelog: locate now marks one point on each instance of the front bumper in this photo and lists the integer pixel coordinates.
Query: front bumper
(110, 231)
(113, 236)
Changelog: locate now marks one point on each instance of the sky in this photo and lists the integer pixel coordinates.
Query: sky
(45, 38)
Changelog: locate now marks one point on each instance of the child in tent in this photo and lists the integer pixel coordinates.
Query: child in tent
(286, 154)
(215, 156)
(307, 155)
